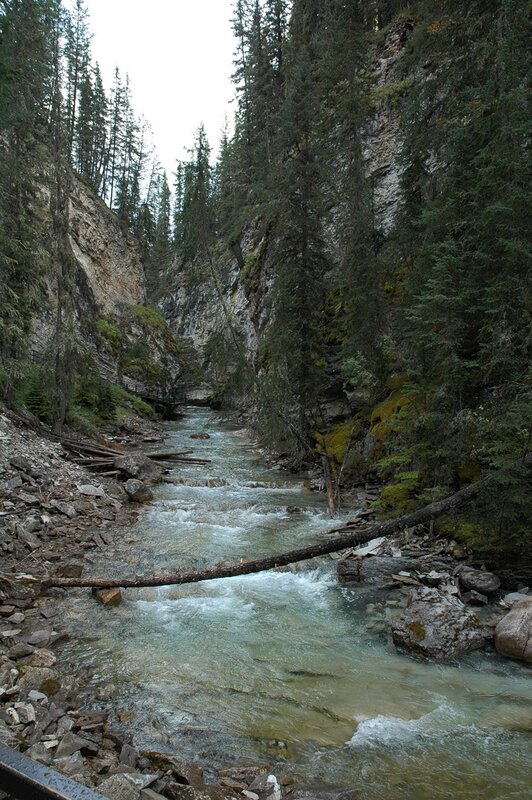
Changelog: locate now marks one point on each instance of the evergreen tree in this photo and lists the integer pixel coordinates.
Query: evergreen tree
(294, 344)
(197, 215)
(77, 52)
(25, 104)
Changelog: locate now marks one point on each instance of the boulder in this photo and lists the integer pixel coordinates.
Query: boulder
(439, 626)
(513, 634)
(109, 597)
(138, 491)
(479, 580)
(139, 466)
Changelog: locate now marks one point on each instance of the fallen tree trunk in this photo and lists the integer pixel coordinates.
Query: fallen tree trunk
(347, 537)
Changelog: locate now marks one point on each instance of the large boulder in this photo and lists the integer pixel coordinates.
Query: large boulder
(513, 634)
(478, 580)
(438, 625)
(138, 492)
(139, 466)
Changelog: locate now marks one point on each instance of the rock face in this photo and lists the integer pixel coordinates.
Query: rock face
(108, 256)
(438, 626)
(513, 634)
(109, 270)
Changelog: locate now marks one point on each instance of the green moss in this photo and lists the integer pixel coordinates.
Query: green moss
(470, 533)
(154, 324)
(398, 497)
(336, 441)
(386, 417)
(390, 92)
(143, 369)
(250, 272)
(110, 333)
(50, 687)
(149, 317)
(418, 630)
(469, 471)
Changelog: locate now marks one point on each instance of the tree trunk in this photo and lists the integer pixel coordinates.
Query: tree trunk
(347, 538)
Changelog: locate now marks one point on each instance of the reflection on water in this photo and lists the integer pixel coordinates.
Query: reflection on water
(288, 668)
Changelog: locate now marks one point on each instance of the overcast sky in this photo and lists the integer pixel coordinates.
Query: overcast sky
(179, 56)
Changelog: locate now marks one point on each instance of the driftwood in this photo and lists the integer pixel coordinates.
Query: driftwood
(343, 537)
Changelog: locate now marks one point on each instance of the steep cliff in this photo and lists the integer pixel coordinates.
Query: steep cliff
(123, 340)
(228, 295)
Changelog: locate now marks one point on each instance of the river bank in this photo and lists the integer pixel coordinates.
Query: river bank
(106, 689)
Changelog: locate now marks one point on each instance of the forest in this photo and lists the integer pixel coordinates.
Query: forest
(419, 317)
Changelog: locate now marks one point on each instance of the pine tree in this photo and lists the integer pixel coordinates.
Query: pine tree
(197, 216)
(294, 344)
(77, 52)
(25, 105)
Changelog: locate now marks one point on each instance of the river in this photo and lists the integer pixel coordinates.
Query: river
(286, 669)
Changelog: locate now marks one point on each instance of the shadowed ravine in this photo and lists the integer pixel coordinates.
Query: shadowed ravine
(286, 668)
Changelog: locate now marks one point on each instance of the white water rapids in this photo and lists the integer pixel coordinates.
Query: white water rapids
(286, 669)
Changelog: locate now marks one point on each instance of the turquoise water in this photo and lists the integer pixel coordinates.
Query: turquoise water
(287, 668)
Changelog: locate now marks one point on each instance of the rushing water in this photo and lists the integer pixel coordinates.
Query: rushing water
(287, 668)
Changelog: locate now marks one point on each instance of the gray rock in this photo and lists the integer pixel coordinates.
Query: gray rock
(28, 539)
(89, 490)
(473, 598)
(438, 626)
(32, 525)
(138, 491)
(20, 650)
(7, 736)
(118, 787)
(479, 580)
(39, 638)
(71, 765)
(139, 466)
(509, 600)
(42, 658)
(128, 756)
(70, 744)
(41, 679)
(38, 752)
(513, 634)
(67, 509)
(21, 463)
(142, 781)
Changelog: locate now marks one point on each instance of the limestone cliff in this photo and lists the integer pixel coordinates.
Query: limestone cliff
(127, 342)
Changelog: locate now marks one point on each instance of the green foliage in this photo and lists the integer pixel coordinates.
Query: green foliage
(110, 333)
(390, 92)
(97, 402)
(150, 318)
(30, 390)
(399, 496)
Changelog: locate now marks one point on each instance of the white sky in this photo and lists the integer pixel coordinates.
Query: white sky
(179, 56)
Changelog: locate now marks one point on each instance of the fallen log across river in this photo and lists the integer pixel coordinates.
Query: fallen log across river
(349, 535)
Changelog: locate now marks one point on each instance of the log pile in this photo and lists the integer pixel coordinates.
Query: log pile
(99, 457)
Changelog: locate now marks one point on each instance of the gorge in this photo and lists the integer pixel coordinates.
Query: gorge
(333, 315)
